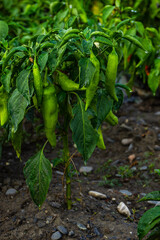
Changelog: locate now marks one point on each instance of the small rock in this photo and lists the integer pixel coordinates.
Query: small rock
(62, 230)
(157, 203)
(97, 195)
(85, 169)
(55, 204)
(126, 192)
(11, 191)
(41, 224)
(157, 148)
(123, 209)
(96, 231)
(57, 235)
(134, 169)
(143, 168)
(49, 219)
(131, 158)
(71, 233)
(81, 226)
(130, 147)
(123, 125)
(157, 113)
(60, 173)
(126, 141)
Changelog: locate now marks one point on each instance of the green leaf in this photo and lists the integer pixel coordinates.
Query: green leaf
(6, 80)
(140, 28)
(148, 221)
(117, 105)
(17, 140)
(87, 45)
(22, 83)
(104, 105)
(153, 81)
(3, 30)
(17, 104)
(151, 196)
(107, 10)
(124, 22)
(154, 234)
(86, 72)
(133, 40)
(57, 161)
(103, 40)
(38, 174)
(118, 3)
(83, 134)
(42, 60)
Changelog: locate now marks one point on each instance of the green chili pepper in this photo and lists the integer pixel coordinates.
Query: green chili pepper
(67, 38)
(38, 85)
(50, 113)
(3, 107)
(91, 89)
(111, 73)
(100, 143)
(111, 118)
(67, 84)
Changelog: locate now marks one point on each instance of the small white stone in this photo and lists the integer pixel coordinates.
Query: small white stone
(126, 141)
(126, 192)
(157, 113)
(11, 191)
(97, 195)
(85, 169)
(123, 209)
(143, 168)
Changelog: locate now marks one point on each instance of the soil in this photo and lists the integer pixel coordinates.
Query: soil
(114, 169)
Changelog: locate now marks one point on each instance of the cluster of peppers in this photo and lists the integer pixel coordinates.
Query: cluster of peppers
(47, 99)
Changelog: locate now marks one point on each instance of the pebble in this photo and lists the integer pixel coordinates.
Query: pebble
(126, 192)
(123, 209)
(131, 158)
(126, 141)
(41, 224)
(143, 168)
(129, 148)
(71, 233)
(81, 226)
(57, 235)
(97, 195)
(62, 230)
(123, 125)
(49, 219)
(86, 169)
(157, 148)
(157, 203)
(96, 231)
(11, 191)
(60, 173)
(134, 169)
(157, 113)
(55, 204)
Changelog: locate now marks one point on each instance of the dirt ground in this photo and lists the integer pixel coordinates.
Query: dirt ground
(119, 167)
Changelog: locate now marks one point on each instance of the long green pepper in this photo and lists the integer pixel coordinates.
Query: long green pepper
(38, 85)
(91, 89)
(111, 73)
(50, 113)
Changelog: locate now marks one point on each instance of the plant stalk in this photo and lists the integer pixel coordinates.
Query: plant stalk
(67, 171)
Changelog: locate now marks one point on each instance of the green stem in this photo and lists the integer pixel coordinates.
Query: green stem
(67, 171)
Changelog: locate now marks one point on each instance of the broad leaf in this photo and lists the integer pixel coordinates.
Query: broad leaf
(87, 46)
(148, 221)
(153, 81)
(17, 140)
(84, 135)
(107, 10)
(38, 174)
(104, 105)
(6, 80)
(42, 60)
(3, 30)
(87, 71)
(22, 83)
(17, 104)
(151, 196)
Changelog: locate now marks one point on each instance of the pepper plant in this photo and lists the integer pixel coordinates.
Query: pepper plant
(67, 74)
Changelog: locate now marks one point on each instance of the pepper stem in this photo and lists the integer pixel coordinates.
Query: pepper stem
(67, 171)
